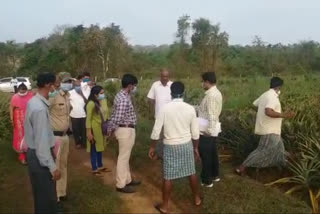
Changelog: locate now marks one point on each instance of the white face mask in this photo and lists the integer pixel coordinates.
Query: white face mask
(22, 94)
(134, 90)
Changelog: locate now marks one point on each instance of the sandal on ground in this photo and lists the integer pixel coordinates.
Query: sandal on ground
(96, 173)
(23, 162)
(239, 172)
(157, 207)
(104, 169)
(199, 203)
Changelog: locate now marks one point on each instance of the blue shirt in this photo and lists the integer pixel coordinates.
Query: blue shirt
(38, 133)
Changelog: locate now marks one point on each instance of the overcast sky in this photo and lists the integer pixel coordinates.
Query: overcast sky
(154, 21)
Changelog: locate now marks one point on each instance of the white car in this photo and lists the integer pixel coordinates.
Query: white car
(10, 84)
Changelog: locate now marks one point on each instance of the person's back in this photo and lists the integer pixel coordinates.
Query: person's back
(178, 118)
(265, 124)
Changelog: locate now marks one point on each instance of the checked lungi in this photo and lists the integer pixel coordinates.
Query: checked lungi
(270, 152)
(178, 161)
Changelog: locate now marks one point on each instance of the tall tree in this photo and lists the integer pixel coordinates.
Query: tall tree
(208, 41)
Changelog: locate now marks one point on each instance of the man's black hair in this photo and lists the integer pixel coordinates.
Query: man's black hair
(128, 79)
(209, 76)
(276, 82)
(80, 76)
(45, 78)
(177, 89)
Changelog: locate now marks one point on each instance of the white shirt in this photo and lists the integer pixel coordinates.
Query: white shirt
(210, 109)
(161, 94)
(77, 103)
(265, 124)
(179, 122)
(86, 89)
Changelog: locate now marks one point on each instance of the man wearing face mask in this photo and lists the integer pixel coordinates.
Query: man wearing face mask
(60, 122)
(270, 151)
(86, 84)
(122, 123)
(78, 114)
(39, 138)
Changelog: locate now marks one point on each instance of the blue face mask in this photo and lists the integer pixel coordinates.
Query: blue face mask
(77, 89)
(53, 93)
(101, 96)
(86, 80)
(66, 86)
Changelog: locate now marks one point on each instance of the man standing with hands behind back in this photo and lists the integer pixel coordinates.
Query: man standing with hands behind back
(40, 141)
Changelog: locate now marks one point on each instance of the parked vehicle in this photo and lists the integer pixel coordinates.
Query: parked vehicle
(10, 84)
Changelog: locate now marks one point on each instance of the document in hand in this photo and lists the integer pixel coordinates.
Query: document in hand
(204, 125)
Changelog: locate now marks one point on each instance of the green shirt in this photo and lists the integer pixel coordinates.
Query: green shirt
(93, 121)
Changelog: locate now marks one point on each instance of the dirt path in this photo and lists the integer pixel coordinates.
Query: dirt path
(140, 202)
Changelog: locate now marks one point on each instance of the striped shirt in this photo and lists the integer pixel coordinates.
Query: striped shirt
(210, 108)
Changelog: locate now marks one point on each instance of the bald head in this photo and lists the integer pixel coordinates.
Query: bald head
(164, 76)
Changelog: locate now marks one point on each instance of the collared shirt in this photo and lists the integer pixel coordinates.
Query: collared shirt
(210, 108)
(38, 134)
(161, 94)
(265, 124)
(86, 89)
(60, 111)
(78, 104)
(123, 111)
(179, 122)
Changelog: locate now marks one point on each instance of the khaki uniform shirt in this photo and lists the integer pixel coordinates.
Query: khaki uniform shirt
(60, 111)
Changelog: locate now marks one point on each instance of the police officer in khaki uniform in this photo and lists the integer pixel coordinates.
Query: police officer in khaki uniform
(60, 122)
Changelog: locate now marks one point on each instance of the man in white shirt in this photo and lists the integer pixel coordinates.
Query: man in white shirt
(181, 134)
(209, 111)
(86, 84)
(270, 151)
(78, 115)
(158, 96)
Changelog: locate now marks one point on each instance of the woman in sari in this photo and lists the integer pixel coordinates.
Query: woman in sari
(17, 109)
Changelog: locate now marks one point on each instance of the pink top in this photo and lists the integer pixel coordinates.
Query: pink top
(20, 102)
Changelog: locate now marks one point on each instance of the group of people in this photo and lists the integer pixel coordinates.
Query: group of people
(182, 134)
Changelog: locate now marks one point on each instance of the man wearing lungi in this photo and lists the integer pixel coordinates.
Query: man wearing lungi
(181, 135)
(270, 151)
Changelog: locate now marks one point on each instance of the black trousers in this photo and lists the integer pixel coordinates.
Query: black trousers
(79, 130)
(43, 187)
(209, 158)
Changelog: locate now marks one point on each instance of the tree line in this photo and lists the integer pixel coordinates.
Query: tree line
(200, 45)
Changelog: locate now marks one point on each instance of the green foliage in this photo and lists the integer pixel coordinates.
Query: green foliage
(5, 125)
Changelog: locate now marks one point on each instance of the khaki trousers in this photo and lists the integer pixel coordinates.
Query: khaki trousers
(62, 162)
(126, 138)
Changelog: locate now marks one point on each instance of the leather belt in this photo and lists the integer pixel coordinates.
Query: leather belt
(59, 133)
(127, 126)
